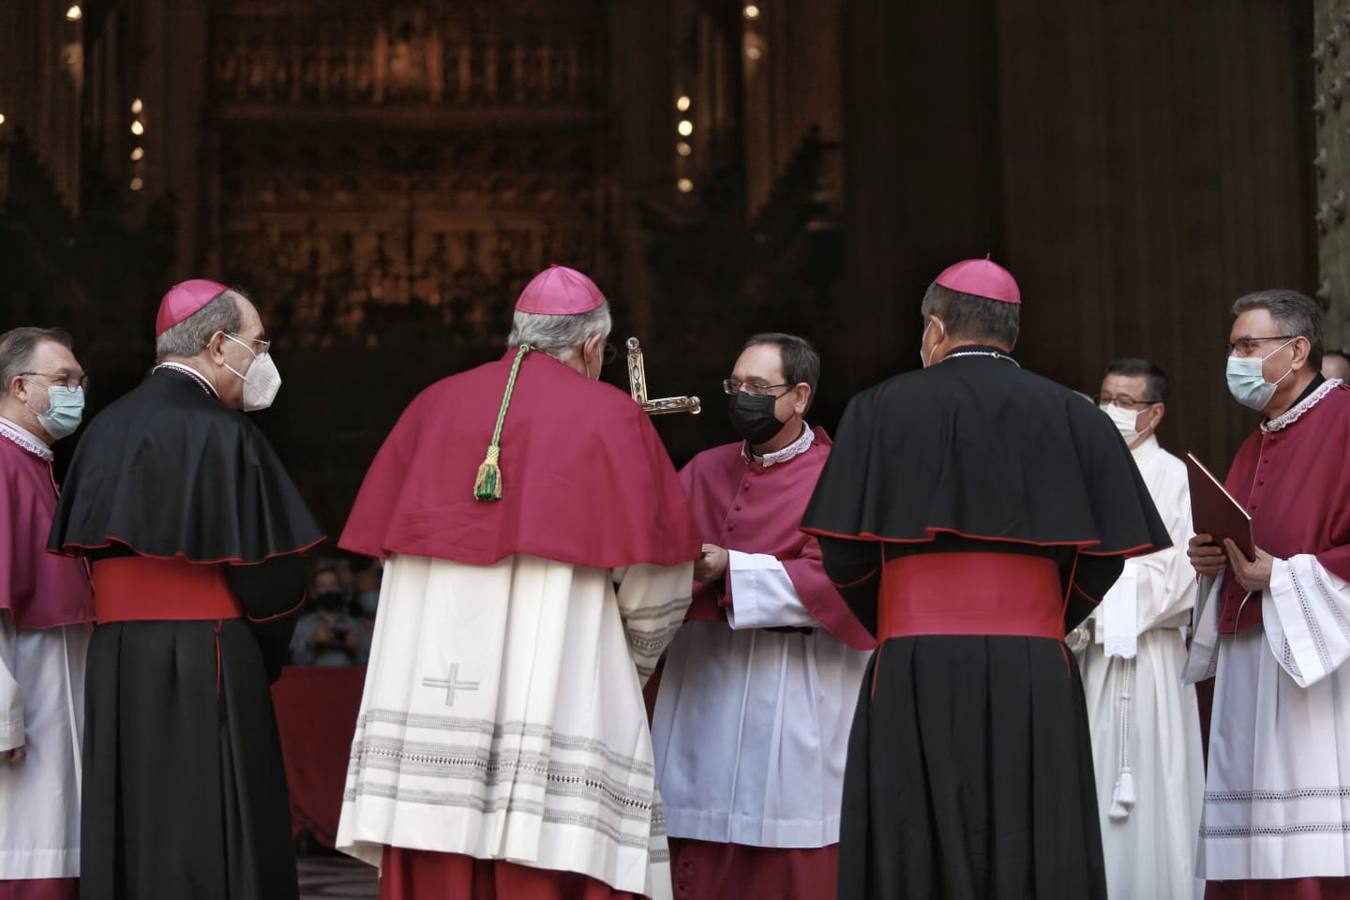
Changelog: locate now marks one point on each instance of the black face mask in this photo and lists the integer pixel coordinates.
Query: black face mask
(752, 417)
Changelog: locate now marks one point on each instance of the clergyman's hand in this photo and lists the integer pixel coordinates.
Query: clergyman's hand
(712, 565)
(12, 756)
(1252, 574)
(1207, 557)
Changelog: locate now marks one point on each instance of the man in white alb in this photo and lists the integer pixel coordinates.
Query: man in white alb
(1145, 724)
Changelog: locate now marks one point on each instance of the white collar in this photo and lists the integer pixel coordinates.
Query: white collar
(25, 439)
(791, 451)
(1298, 410)
(191, 373)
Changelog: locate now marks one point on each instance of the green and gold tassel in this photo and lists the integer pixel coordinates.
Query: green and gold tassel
(488, 485)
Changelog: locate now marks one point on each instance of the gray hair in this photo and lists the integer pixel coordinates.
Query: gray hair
(558, 336)
(17, 347)
(1296, 314)
(971, 317)
(190, 336)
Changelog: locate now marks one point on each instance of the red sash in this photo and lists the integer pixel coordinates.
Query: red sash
(138, 588)
(971, 593)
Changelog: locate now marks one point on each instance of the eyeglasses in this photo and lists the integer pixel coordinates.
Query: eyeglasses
(61, 379)
(732, 387)
(1125, 402)
(1248, 346)
(259, 346)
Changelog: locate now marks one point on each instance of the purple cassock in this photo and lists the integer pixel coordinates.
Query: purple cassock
(39, 589)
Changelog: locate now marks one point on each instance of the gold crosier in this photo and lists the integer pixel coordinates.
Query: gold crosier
(637, 386)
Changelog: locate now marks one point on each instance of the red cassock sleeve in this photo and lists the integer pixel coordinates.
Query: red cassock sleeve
(819, 595)
(752, 509)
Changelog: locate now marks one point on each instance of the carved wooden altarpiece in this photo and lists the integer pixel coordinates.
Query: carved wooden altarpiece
(410, 161)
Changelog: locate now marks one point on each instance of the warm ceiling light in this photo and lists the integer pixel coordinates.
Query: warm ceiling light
(2, 118)
(137, 128)
(74, 14)
(137, 184)
(138, 154)
(682, 104)
(754, 52)
(137, 106)
(684, 185)
(685, 128)
(752, 11)
(683, 148)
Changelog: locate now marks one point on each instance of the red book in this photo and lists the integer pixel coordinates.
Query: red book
(1215, 512)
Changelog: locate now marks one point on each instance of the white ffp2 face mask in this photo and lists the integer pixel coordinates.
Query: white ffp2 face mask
(261, 382)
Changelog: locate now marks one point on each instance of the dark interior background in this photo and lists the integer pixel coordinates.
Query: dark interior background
(383, 177)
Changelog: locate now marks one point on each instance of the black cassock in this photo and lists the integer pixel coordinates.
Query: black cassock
(184, 791)
(969, 770)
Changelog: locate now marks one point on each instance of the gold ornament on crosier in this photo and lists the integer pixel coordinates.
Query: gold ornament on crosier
(637, 386)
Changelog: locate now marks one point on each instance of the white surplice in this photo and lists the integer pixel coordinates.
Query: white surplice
(1277, 804)
(751, 725)
(503, 717)
(41, 710)
(1145, 723)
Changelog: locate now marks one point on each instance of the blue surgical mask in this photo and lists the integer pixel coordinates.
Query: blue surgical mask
(65, 408)
(1247, 382)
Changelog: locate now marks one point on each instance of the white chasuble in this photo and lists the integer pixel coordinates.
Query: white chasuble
(503, 717)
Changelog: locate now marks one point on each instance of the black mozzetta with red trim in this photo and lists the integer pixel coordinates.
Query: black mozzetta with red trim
(977, 454)
(977, 447)
(169, 471)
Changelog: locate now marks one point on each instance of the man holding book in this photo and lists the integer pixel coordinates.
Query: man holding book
(1274, 630)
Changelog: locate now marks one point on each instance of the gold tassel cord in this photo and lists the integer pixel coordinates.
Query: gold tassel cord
(488, 485)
